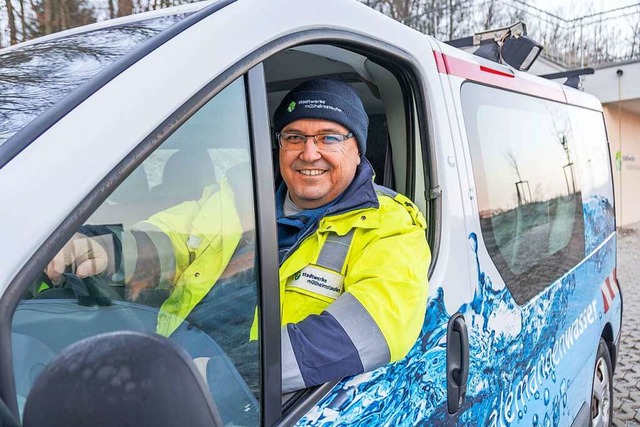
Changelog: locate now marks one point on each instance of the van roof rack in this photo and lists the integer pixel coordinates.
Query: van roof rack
(572, 76)
(507, 45)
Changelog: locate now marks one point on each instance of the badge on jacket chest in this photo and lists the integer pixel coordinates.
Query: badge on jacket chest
(318, 280)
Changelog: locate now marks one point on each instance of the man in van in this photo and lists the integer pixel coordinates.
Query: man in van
(353, 255)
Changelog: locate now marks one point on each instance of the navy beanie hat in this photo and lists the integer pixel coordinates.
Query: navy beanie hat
(325, 99)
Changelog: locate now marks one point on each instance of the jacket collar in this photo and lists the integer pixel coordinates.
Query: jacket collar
(360, 194)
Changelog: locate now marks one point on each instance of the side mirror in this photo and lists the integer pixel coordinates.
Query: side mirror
(121, 379)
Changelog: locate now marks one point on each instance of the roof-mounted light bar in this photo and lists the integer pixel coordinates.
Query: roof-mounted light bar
(508, 45)
(499, 35)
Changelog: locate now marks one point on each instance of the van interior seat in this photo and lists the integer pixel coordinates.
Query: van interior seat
(379, 151)
(126, 204)
(135, 187)
(185, 175)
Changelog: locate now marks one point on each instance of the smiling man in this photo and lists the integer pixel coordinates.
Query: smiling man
(353, 255)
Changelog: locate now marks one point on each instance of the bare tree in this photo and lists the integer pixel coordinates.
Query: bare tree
(523, 191)
(635, 38)
(125, 7)
(58, 15)
(489, 17)
(513, 162)
(594, 37)
(13, 32)
(23, 21)
(458, 14)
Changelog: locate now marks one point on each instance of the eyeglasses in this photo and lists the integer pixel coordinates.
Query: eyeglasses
(325, 141)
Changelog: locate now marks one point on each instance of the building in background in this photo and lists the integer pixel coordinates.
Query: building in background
(617, 86)
(545, 65)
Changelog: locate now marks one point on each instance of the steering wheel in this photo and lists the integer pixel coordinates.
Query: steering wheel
(88, 291)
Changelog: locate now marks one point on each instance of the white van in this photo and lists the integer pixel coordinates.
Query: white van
(107, 124)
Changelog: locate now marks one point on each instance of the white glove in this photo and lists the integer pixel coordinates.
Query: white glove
(85, 256)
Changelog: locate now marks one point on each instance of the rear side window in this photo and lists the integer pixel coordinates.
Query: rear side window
(527, 183)
(593, 155)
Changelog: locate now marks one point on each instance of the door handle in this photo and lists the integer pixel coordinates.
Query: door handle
(457, 362)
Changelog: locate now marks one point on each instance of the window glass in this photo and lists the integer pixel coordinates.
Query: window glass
(171, 251)
(529, 194)
(39, 74)
(593, 154)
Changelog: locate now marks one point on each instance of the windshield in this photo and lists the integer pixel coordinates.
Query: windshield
(35, 77)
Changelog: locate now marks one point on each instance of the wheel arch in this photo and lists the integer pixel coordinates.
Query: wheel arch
(607, 336)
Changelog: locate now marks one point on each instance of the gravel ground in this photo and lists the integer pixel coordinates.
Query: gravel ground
(626, 405)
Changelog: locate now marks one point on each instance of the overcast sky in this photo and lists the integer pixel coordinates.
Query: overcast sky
(571, 9)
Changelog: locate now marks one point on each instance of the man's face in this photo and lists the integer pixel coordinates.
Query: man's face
(315, 177)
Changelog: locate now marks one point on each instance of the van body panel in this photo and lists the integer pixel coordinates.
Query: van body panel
(581, 99)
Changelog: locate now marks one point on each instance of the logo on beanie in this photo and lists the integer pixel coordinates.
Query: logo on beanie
(291, 106)
(318, 104)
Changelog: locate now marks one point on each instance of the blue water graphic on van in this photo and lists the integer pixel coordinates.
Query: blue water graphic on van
(523, 367)
(599, 219)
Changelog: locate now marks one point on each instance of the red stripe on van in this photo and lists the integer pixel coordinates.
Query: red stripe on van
(441, 63)
(498, 72)
(604, 300)
(613, 294)
(480, 73)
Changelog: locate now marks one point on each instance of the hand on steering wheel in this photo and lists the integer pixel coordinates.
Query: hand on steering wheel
(85, 256)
